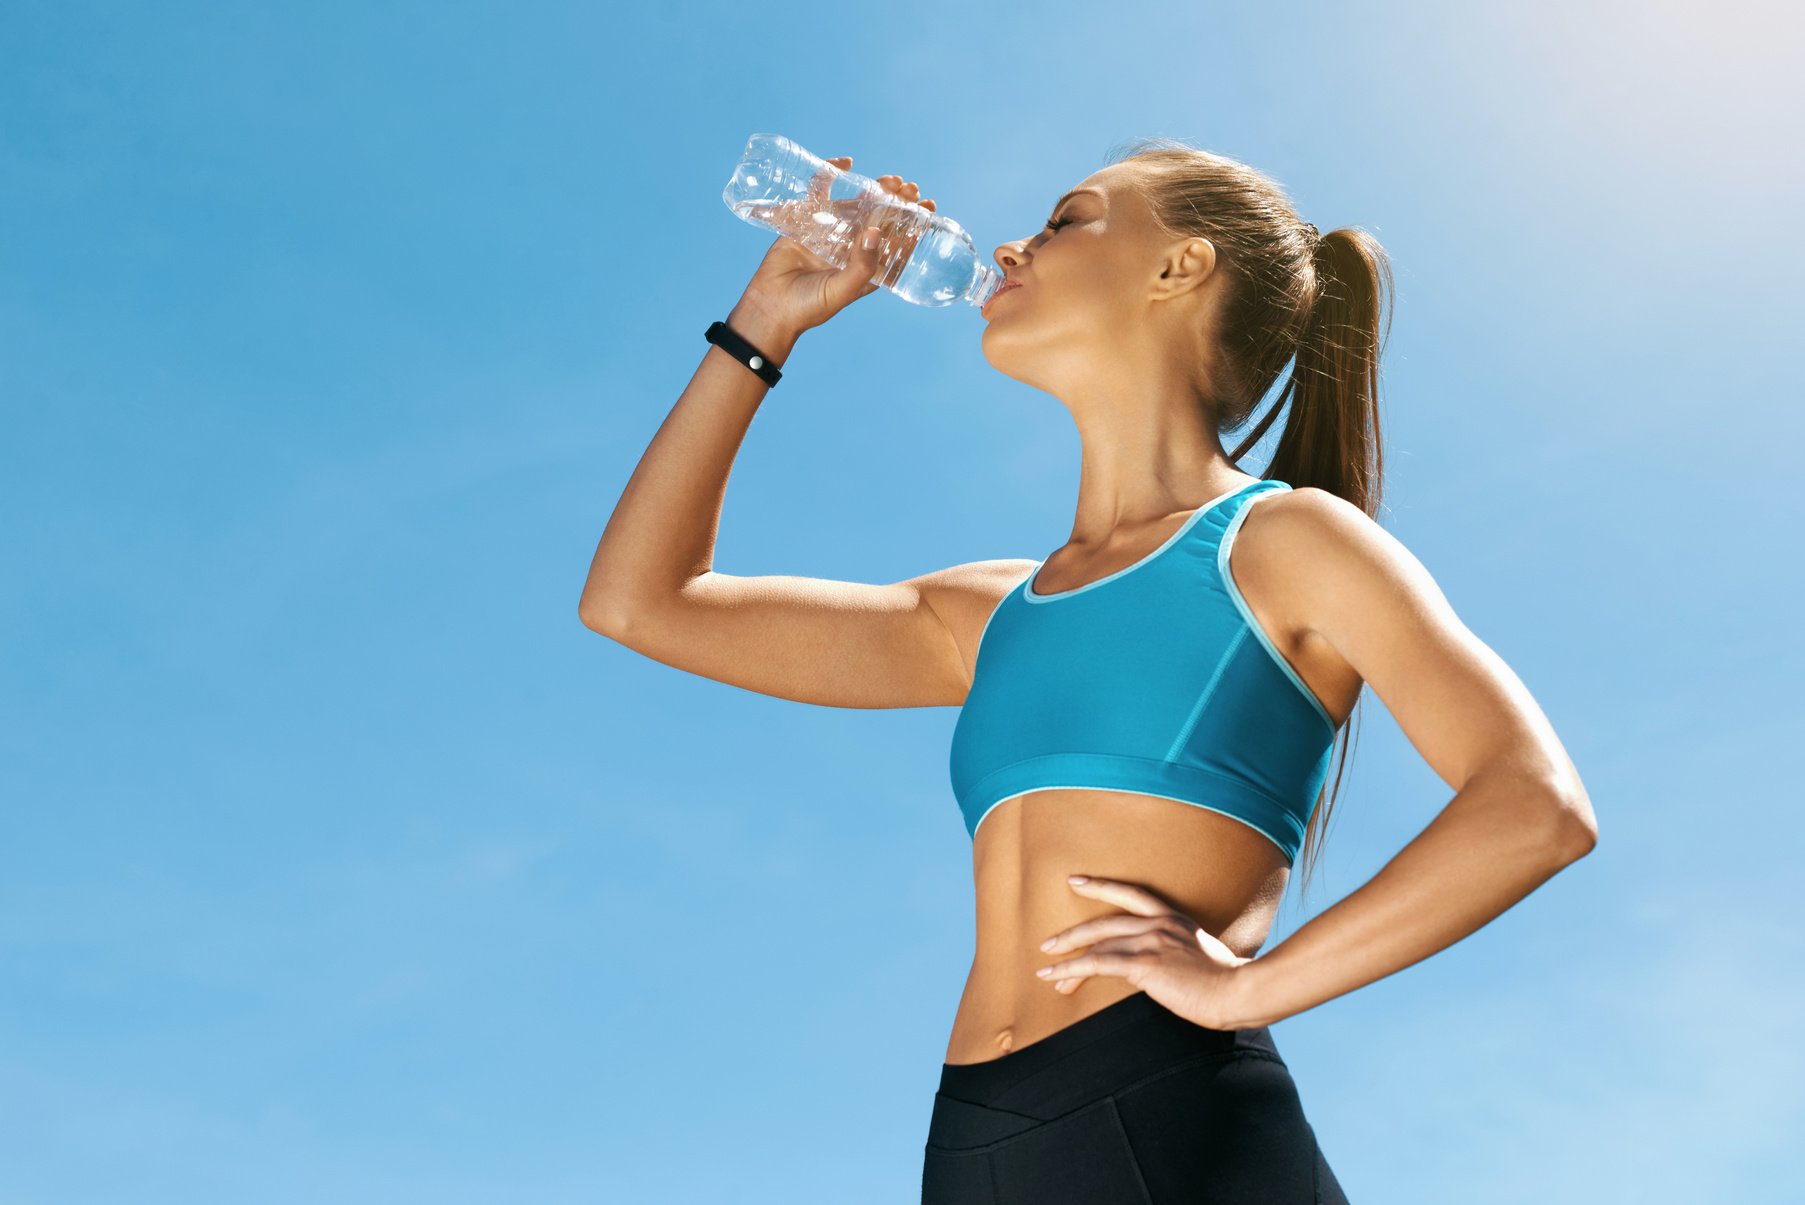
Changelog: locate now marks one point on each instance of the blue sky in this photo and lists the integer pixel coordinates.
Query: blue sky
(340, 862)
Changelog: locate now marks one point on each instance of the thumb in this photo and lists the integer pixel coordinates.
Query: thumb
(861, 265)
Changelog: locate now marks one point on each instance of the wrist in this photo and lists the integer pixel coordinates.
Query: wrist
(774, 338)
(1248, 995)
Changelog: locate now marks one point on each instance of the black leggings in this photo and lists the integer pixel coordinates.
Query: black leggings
(1132, 1105)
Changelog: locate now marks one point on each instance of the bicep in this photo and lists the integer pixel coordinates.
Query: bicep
(816, 640)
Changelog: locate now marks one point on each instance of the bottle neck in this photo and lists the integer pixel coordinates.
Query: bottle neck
(984, 285)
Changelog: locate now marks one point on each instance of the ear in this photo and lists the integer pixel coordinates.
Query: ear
(1186, 266)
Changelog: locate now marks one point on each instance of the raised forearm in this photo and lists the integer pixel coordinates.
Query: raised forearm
(662, 532)
(1499, 839)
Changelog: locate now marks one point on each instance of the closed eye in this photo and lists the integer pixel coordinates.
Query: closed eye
(1052, 225)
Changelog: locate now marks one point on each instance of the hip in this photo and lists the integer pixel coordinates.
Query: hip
(1130, 1104)
(1005, 1009)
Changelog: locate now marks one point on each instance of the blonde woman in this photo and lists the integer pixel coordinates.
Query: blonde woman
(1147, 714)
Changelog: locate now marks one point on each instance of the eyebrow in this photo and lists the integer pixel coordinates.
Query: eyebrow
(1073, 193)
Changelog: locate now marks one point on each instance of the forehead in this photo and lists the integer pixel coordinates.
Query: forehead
(1116, 188)
(1113, 185)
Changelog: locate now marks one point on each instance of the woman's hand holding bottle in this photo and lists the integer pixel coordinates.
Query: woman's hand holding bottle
(794, 289)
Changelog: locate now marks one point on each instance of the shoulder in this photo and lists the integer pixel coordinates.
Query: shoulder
(964, 596)
(1327, 555)
(974, 581)
(976, 585)
(1307, 518)
(1313, 522)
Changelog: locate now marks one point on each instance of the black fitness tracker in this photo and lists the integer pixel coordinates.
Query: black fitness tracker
(724, 337)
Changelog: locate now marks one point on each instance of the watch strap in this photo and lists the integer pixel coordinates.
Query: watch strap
(729, 341)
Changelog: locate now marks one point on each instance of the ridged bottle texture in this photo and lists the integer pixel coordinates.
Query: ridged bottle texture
(923, 256)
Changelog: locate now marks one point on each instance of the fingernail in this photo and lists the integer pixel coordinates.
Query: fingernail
(1078, 878)
(1044, 972)
(1047, 944)
(870, 239)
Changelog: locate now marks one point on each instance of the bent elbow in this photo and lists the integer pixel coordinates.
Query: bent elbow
(1579, 841)
(603, 617)
(1575, 825)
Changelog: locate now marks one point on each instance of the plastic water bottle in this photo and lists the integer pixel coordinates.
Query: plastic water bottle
(923, 256)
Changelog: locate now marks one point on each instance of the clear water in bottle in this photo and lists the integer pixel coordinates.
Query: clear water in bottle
(923, 256)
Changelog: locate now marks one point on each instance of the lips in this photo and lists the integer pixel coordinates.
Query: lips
(1007, 286)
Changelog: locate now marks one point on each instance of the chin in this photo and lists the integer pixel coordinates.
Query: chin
(1001, 364)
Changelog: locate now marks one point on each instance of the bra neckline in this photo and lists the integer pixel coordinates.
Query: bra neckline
(1032, 595)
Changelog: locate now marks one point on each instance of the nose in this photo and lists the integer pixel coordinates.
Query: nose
(1009, 255)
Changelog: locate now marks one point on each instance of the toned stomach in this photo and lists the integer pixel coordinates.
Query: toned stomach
(1215, 869)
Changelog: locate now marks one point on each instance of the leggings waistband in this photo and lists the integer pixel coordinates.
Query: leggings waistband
(1093, 1056)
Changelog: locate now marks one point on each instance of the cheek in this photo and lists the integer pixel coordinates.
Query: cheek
(1086, 266)
(1093, 287)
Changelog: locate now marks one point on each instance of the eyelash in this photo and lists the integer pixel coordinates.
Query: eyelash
(1052, 225)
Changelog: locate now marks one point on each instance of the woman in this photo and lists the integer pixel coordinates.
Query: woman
(1156, 701)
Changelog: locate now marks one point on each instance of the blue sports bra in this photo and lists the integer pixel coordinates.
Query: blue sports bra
(1154, 680)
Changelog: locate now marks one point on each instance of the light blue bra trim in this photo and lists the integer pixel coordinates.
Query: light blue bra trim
(1139, 776)
(1290, 854)
(1029, 593)
(1234, 592)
